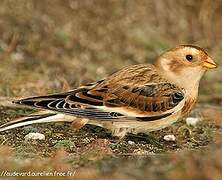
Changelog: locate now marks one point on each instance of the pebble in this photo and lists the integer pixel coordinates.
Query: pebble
(17, 56)
(141, 152)
(192, 121)
(169, 137)
(35, 136)
(131, 142)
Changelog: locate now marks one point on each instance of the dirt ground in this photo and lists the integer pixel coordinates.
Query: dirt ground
(53, 46)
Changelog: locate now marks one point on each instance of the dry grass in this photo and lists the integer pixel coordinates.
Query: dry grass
(50, 46)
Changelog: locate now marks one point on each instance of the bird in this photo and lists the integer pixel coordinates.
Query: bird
(136, 99)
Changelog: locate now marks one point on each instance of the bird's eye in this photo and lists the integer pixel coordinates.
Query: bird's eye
(189, 57)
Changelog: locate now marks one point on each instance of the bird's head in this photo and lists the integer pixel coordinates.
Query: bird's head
(185, 65)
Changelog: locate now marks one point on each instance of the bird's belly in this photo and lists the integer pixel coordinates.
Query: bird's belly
(135, 126)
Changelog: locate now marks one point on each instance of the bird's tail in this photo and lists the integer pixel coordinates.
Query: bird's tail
(36, 118)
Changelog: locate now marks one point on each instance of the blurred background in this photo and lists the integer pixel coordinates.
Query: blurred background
(50, 46)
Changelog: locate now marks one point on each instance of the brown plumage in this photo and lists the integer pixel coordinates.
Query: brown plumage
(138, 98)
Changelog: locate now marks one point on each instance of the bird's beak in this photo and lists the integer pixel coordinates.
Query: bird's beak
(209, 63)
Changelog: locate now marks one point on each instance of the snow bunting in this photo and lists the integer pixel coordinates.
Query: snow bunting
(138, 98)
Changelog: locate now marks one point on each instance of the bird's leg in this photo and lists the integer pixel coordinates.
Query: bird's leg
(120, 133)
(79, 123)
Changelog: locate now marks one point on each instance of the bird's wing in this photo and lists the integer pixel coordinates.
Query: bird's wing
(137, 91)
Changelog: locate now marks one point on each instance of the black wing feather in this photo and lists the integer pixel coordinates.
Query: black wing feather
(57, 102)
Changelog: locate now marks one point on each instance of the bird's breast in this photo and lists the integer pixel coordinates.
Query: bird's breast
(188, 105)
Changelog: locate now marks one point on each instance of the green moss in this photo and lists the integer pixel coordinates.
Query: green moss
(67, 145)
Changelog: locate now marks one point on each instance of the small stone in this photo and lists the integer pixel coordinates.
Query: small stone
(17, 56)
(169, 137)
(131, 142)
(141, 152)
(192, 121)
(35, 136)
